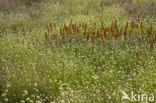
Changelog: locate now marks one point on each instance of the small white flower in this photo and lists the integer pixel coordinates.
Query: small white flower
(35, 84)
(33, 96)
(22, 101)
(6, 91)
(31, 101)
(38, 101)
(8, 85)
(3, 94)
(26, 92)
(38, 96)
(27, 99)
(6, 99)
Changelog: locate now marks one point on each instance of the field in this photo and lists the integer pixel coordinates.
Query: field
(77, 51)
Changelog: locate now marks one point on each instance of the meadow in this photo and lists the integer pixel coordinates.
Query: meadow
(77, 51)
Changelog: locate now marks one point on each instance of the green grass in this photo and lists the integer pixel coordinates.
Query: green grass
(34, 70)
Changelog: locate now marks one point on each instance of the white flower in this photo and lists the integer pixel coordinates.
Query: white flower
(3, 94)
(27, 99)
(8, 85)
(6, 91)
(31, 101)
(33, 96)
(38, 96)
(22, 101)
(26, 92)
(6, 99)
(35, 84)
(38, 101)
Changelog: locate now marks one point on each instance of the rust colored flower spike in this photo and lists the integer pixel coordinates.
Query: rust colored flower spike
(105, 33)
(55, 25)
(47, 29)
(80, 24)
(94, 24)
(65, 27)
(126, 62)
(74, 27)
(132, 25)
(120, 31)
(126, 25)
(51, 29)
(151, 46)
(93, 32)
(70, 31)
(112, 31)
(98, 34)
(50, 25)
(142, 31)
(85, 33)
(101, 35)
(46, 36)
(137, 26)
(138, 54)
(83, 25)
(88, 36)
(141, 25)
(61, 31)
(125, 33)
(93, 38)
(148, 32)
(52, 36)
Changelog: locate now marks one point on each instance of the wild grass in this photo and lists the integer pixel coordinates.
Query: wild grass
(47, 54)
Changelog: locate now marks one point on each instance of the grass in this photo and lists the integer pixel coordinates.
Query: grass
(39, 69)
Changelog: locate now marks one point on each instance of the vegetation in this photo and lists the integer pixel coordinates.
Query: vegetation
(87, 51)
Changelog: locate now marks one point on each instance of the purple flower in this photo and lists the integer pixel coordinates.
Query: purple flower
(29, 17)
